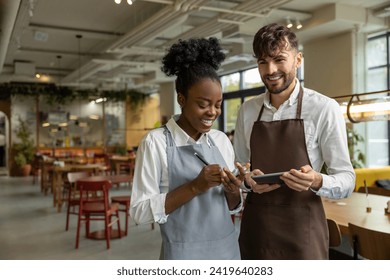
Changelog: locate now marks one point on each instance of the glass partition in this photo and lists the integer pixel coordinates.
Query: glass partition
(77, 124)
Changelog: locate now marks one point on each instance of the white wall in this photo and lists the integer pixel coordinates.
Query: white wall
(168, 103)
(329, 65)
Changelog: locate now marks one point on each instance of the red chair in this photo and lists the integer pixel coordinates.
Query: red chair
(124, 201)
(72, 194)
(104, 159)
(92, 210)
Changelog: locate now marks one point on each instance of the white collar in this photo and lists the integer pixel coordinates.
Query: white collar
(291, 100)
(180, 137)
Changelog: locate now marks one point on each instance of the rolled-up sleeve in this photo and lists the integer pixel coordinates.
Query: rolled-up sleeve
(148, 198)
(340, 180)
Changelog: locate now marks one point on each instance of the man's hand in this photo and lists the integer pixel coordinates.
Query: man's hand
(303, 179)
(259, 188)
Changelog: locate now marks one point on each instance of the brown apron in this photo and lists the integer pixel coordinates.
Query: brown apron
(282, 224)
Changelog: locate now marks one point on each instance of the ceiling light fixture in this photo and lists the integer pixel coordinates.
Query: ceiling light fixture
(130, 2)
(59, 69)
(78, 36)
(31, 8)
(363, 107)
(99, 100)
(289, 23)
(298, 24)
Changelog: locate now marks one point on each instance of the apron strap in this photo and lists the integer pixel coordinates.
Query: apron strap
(168, 136)
(299, 108)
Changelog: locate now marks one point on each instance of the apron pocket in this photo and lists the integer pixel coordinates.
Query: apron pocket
(223, 249)
(276, 231)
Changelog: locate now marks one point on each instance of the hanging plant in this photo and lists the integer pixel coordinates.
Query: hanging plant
(136, 99)
(62, 95)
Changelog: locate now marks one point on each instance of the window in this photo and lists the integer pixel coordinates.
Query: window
(232, 106)
(251, 79)
(230, 82)
(377, 133)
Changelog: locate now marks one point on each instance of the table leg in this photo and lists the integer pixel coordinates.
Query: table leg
(57, 192)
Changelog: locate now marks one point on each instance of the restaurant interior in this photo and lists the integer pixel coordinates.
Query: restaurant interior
(81, 85)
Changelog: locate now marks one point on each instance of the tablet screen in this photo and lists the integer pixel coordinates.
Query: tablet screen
(270, 178)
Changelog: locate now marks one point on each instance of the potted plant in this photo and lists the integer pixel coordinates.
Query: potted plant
(358, 158)
(24, 149)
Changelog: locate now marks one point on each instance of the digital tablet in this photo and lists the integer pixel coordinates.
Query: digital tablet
(270, 178)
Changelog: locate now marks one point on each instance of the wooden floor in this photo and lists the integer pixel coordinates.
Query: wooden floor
(32, 229)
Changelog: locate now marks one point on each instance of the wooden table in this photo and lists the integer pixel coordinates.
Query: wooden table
(116, 162)
(60, 171)
(353, 210)
(113, 179)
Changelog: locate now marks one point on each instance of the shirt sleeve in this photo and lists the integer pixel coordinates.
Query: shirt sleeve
(242, 152)
(147, 199)
(339, 182)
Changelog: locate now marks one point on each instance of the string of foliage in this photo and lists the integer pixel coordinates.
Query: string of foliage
(54, 94)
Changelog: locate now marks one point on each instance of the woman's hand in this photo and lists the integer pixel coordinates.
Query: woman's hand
(210, 176)
(233, 180)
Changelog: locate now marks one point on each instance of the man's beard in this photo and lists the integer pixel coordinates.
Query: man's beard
(276, 90)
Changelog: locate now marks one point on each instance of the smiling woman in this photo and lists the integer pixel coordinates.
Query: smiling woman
(171, 185)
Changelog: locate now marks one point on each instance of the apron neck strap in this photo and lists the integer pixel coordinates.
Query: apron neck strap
(299, 108)
(169, 137)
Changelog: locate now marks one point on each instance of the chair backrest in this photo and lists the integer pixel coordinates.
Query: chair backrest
(88, 188)
(375, 190)
(101, 158)
(334, 233)
(369, 244)
(74, 176)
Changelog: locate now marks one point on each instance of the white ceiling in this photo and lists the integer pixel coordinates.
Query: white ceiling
(122, 45)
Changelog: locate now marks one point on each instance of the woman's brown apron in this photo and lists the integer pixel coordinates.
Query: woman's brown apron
(282, 224)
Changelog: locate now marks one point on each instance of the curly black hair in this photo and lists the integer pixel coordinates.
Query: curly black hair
(272, 38)
(192, 60)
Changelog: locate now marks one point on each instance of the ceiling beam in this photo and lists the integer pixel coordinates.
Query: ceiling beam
(86, 33)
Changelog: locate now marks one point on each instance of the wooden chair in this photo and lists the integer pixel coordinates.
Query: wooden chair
(104, 159)
(92, 210)
(46, 177)
(335, 241)
(124, 203)
(369, 244)
(375, 190)
(72, 194)
(124, 206)
(36, 167)
(334, 233)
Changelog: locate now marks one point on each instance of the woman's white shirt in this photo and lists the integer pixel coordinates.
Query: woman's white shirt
(151, 184)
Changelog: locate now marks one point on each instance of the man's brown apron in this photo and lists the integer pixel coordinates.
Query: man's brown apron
(282, 224)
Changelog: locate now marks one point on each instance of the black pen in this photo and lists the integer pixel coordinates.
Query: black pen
(201, 159)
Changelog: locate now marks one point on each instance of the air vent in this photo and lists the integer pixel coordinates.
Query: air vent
(24, 69)
(383, 12)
